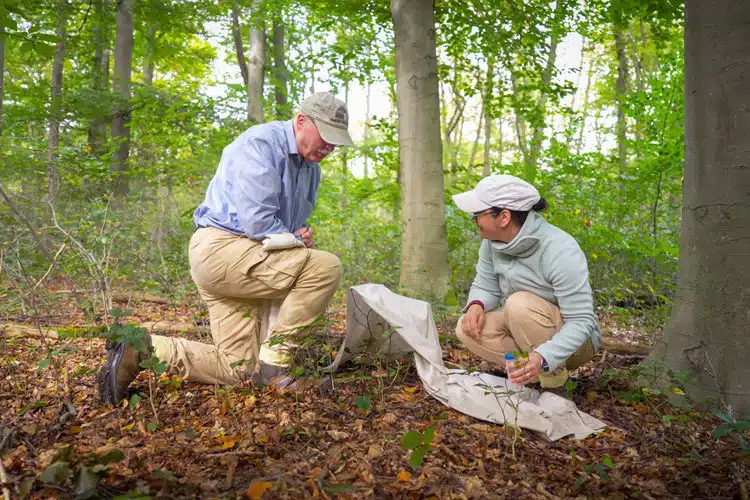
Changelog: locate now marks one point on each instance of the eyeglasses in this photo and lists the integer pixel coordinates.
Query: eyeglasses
(329, 146)
(493, 211)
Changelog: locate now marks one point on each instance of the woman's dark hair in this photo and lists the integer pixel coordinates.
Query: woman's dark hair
(520, 217)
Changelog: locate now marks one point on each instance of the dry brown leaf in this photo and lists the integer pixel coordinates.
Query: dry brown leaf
(256, 490)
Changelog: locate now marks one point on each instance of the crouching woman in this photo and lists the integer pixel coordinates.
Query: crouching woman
(531, 291)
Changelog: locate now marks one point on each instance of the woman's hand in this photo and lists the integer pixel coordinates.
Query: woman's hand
(473, 321)
(529, 372)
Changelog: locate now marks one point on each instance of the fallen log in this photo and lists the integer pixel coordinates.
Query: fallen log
(627, 349)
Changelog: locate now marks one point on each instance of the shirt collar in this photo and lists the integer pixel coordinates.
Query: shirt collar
(290, 139)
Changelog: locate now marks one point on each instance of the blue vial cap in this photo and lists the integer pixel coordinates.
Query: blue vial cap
(509, 356)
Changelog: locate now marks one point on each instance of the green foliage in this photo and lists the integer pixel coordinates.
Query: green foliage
(419, 444)
(601, 469)
(732, 427)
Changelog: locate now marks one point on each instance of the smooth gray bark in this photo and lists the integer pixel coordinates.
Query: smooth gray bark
(279, 69)
(53, 131)
(424, 248)
(238, 46)
(256, 63)
(100, 74)
(708, 334)
(121, 86)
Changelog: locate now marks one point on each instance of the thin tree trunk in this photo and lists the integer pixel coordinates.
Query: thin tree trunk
(2, 75)
(256, 66)
(366, 134)
(706, 336)
(489, 86)
(424, 249)
(150, 55)
(345, 161)
(238, 47)
(53, 133)
(621, 91)
(121, 86)
(532, 167)
(100, 72)
(520, 123)
(584, 108)
(279, 68)
(475, 146)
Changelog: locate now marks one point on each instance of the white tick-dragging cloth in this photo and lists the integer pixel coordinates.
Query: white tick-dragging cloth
(380, 321)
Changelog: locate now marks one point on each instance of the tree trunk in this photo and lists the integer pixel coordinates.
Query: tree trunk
(100, 72)
(53, 133)
(121, 86)
(489, 85)
(475, 145)
(150, 55)
(256, 66)
(424, 248)
(366, 135)
(238, 48)
(279, 69)
(520, 122)
(532, 167)
(345, 161)
(621, 91)
(707, 334)
(2, 75)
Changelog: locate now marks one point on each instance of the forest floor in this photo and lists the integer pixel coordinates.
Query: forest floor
(188, 440)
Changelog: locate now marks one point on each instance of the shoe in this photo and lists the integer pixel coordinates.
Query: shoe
(281, 377)
(121, 368)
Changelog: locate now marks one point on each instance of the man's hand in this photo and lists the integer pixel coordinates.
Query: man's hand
(306, 234)
(473, 321)
(529, 372)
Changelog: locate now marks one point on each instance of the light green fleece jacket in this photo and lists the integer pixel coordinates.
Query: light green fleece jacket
(546, 261)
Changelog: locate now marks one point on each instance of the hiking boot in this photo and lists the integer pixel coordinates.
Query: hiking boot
(281, 377)
(120, 370)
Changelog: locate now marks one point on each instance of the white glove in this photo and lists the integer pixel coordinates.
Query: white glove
(280, 241)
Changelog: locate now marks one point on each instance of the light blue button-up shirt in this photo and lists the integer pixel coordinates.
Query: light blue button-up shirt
(262, 185)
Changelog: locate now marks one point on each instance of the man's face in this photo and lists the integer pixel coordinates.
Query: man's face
(311, 146)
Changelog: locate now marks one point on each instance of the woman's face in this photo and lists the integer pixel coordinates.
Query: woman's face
(494, 227)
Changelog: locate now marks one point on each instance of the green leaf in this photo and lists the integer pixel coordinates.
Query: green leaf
(607, 460)
(235, 364)
(86, 483)
(579, 481)
(722, 430)
(134, 400)
(411, 440)
(298, 371)
(417, 457)
(152, 426)
(163, 474)
(110, 457)
(56, 473)
(363, 402)
(43, 364)
(335, 489)
(570, 385)
(428, 435)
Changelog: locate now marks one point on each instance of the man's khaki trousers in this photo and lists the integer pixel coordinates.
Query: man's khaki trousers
(527, 321)
(236, 278)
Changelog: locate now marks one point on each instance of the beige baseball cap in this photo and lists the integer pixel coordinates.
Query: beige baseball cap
(500, 191)
(331, 117)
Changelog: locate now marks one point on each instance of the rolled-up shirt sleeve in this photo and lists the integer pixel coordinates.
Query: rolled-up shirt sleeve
(255, 189)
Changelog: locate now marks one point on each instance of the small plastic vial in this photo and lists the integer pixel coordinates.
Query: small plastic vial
(510, 362)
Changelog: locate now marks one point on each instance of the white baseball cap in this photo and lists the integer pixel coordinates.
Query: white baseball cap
(500, 191)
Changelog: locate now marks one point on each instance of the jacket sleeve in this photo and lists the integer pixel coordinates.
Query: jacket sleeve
(486, 284)
(569, 275)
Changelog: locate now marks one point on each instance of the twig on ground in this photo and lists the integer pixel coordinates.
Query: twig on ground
(4, 480)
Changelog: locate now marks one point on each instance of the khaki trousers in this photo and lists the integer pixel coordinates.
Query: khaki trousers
(236, 278)
(526, 321)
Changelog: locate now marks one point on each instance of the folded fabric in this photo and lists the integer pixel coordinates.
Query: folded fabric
(281, 241)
